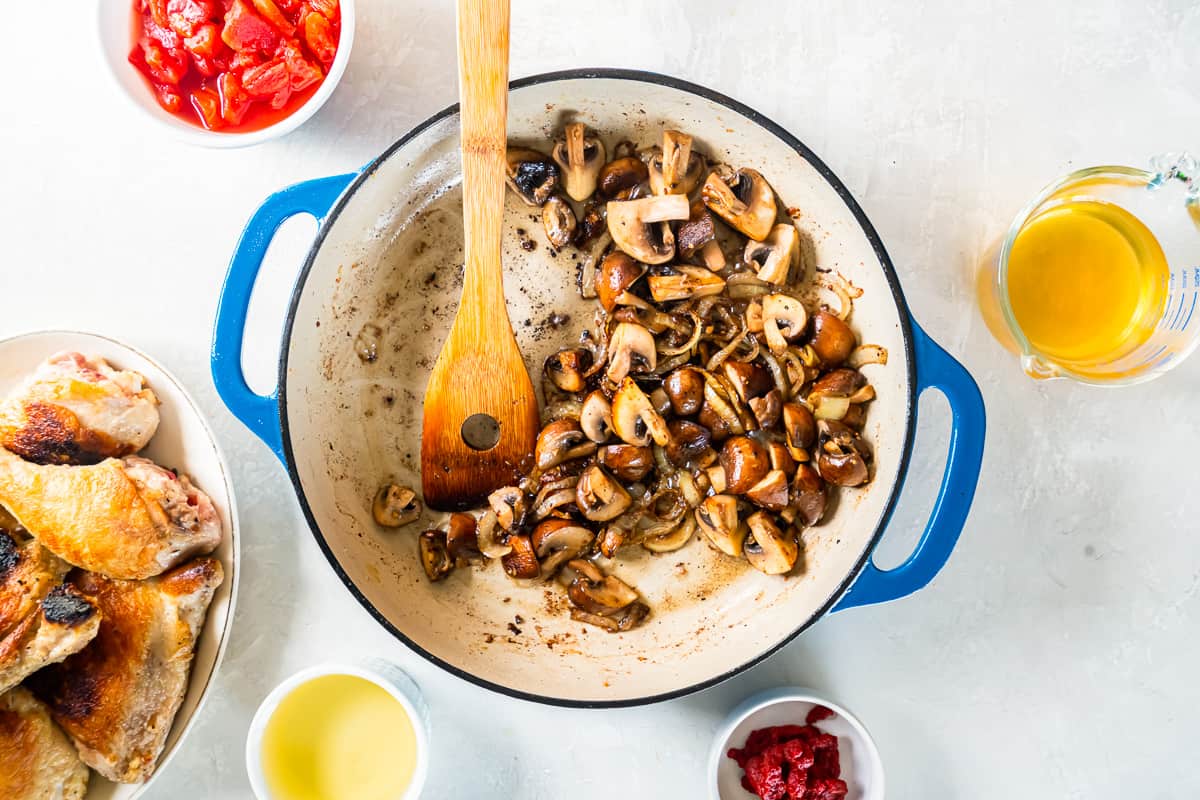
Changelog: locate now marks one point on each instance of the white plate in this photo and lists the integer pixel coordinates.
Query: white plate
(184, 442)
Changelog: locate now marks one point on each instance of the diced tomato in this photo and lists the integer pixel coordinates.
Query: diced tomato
(318, 35)
(162, 65)
(205, 42)
(302, 73)
(245, 30)
(234, 100)
(208, 106)
(164, 35)
(158, 12)
(328, 8)
(273, 15)
(244, 59)
(266, 80)
(169, 98)
(281, 97)
(186, 16)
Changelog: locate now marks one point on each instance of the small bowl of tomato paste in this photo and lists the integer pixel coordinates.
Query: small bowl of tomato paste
(227, 73)
(791, 744)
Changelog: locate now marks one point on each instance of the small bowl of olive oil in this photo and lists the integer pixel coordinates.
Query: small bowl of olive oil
(340, 732)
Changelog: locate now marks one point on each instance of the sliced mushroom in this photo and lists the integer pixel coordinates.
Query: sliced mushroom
(634, 419)
(689, 442)
(461, 540)
(566, 369)
(595, 417)
(630, 349)
(618, 271)
(716, 478)
(395, 506)
(675, 539)
(561, 440)
(620, 178)
(832, 340)
(712, 256)
(800, 430)
(599, 496)
(743, 198)
(856, 417)
(605, 597)
(558, 219)
(580, 158)
(532, 175)
(626, 620)
(748, 380)
(776, 255)
(610, 540)
(780, 458)
(842, 458)
(770, 492)
(627, 461)
(753, 315)
(685, 389)
(592, 223)
(639, 228)
(682, 282)
(784, 319)
(768, 549)
(557, 541)
(510, 506)
(698, 231)
(808, 494)
(522, 562)
(485, 536)
(767, 409)
(833, 393)
(745, 463)
(717, 518)
(435, 558)
(676, 170)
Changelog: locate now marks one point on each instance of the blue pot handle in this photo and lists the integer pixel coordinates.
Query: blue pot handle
(935, 370)
(260, 414)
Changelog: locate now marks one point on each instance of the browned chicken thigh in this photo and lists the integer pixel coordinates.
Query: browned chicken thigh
(118, 696)
(78, 410)
(126, 518)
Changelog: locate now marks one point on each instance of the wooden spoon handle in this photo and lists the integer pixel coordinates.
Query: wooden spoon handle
(483, 97)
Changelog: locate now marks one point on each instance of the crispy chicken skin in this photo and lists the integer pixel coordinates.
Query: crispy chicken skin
(125, 518)
(42, 621)
(118, 696)
(37, 761)
(78, 410)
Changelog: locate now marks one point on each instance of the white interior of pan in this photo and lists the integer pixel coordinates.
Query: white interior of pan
(392, 258)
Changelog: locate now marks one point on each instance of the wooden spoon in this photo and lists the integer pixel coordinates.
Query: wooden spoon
(480, 370)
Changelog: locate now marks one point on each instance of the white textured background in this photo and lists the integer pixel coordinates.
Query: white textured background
(1054, 658)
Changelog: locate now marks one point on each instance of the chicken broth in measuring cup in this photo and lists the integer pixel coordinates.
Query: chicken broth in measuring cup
(1099, 277)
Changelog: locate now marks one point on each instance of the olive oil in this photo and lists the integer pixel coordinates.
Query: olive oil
(1086, 281)
(339, 737)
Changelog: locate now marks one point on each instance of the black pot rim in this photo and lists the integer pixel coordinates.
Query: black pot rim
(753, 116)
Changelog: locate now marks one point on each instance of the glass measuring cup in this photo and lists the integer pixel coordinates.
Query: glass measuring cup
(1161, 207)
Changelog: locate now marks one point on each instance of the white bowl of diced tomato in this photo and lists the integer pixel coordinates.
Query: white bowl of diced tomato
(227, 73)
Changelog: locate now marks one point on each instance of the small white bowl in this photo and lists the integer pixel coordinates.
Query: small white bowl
(116, 40)
(862, 769)
(387, 676)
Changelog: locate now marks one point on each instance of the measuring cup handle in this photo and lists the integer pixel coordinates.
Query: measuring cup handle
(936, 369)
(259, 413)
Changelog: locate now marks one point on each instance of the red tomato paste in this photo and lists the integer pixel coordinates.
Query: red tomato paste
(792, 762)
(234, 65)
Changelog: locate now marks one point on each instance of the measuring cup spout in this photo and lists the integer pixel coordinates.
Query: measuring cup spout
(1039, 369)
